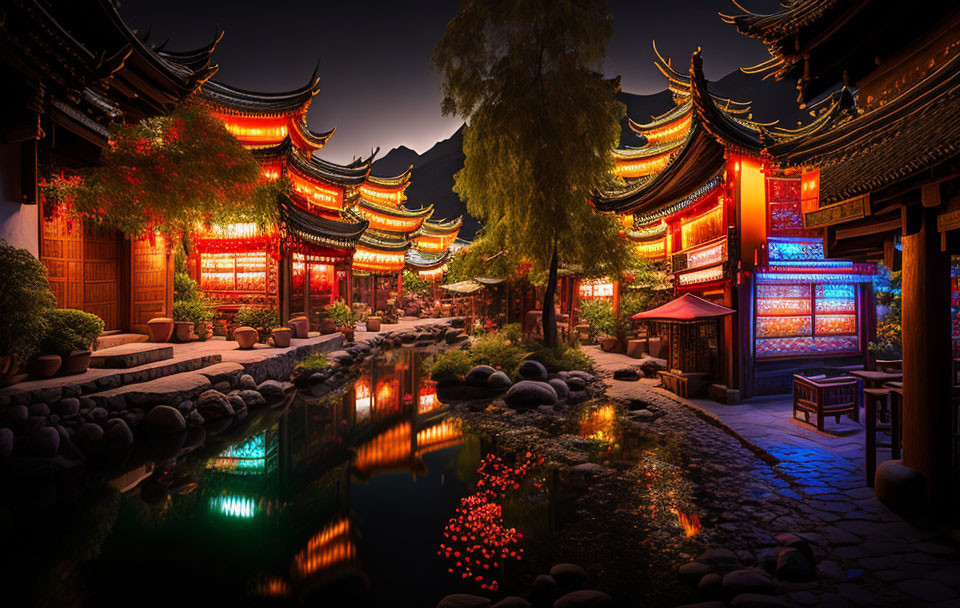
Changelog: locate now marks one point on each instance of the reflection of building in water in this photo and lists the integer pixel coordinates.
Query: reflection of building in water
(329, 547)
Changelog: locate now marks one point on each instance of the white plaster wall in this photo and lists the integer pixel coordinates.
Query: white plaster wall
(18, 223)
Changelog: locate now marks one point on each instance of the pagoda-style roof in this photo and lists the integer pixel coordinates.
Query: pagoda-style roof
(82, 56)
(909, 135)
(384, 241)
(442, 228)
(395, 182)
(310, 166)
(401, 211)
(321, 231)
(240, 101)
(420, 260)
(823, 43)
(707, 128)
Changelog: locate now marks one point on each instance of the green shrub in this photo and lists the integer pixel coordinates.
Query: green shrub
(494, 350)
(451, 364)
(341, 314)
(69, 330)
(184, 288)
(512, 332)
(561, 358)
(194, 311)
(313, 363)
(261, 319)
(24, 298)
(599, 314)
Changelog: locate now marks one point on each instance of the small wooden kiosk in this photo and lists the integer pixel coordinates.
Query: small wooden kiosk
(688, 330)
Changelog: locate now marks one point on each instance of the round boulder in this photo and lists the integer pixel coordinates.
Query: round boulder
(528, 393)
(6, 442)
(252, 398)
(563, 391)
(576, 384)
(271, 390)
(512, 601)
(214, 405)
(544, 586)
(627, 374)
(532, 370)
(464, 600)
(15, 414)
(237, 402)
(163, 420)
(68, 407)
(246, 382)
(478, 375)
(185, 407)
(88, 434)
(747, 581)
(39, 409)
(756, 600)
(44, 442)
(116, 434)
(586, 598)
(569, 576)
(498, 381)
(795, 565)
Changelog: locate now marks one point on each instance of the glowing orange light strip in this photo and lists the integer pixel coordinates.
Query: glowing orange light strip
(641, 167)
(669, 132)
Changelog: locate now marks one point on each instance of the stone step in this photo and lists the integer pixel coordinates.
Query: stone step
(132, 354)
(110, 340)
(167, 390)
(99, 380)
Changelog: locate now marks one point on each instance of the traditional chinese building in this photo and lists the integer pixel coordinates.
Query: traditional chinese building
(343, 234)
(72, 71)
(703, 196)
(881, 175)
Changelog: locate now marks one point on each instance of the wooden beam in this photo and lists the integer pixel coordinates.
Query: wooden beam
(930, 194)
(868, 229)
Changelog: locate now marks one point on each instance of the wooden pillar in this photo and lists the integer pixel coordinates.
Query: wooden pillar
(743, 328)
(285, 287)
(926, 353)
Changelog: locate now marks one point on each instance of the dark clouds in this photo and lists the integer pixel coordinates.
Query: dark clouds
(378, 89)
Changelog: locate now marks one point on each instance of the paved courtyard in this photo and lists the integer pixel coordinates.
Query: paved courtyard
(805, 483)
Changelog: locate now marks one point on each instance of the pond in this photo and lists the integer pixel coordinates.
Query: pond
(351, 499)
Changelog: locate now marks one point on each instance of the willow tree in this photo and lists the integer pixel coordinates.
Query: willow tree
(542, 121)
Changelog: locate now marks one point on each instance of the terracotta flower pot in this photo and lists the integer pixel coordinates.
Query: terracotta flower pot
(300, 327)
(328, 326)
(347, 333)
(76, 362)
(160, 329)
(281, 337)
(245, 336)
(373, 323)
(183, 331)
(44, 366)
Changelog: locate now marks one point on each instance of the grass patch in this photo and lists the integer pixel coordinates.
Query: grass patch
(313, 363)
(505, 351)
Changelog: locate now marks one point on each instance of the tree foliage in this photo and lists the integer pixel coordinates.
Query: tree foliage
(25, 297)
(542, 122)
(171, 174)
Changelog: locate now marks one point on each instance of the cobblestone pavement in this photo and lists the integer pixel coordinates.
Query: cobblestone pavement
(813, 487)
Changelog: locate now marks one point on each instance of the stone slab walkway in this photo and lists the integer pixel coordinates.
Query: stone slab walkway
(814, 486)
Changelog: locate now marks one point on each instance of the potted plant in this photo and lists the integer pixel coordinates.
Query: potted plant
(71, 334)
(192, 320)
(24, 298)
(344, 317)
(373, 323)
(261, 319)
(44, 366)
(327, 325)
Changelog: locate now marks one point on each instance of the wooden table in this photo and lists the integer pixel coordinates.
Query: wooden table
(872, 379)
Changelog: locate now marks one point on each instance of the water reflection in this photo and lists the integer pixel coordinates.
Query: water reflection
(341, 499)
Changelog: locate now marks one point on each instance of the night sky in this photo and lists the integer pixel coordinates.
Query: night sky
(377, 87)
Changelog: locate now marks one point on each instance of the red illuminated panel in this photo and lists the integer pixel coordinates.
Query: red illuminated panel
(256, 130)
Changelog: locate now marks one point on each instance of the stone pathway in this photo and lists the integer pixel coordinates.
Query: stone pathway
(814, 487)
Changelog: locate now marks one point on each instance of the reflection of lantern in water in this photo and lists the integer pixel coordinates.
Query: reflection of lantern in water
(246, 457)
(240, 507)
(327, 548)
(689, 523)
(388, 448)
(428, 400)
(438, 436)
(387, 395)
(362, 399)
(274, 586)
(599, 424)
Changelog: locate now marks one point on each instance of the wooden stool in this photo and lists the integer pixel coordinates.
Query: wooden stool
(875, 400)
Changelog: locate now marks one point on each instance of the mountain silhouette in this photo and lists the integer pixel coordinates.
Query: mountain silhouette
(433, 171)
